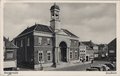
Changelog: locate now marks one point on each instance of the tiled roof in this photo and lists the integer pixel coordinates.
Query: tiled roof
(69, 33)
(89, 43)
(37, 27)
(8, 44)
(43, 28)
(29, 29)
(87, 47)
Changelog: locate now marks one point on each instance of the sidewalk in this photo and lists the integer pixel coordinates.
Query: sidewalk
(63, 65)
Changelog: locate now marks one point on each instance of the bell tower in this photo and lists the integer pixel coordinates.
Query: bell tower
(55, 19)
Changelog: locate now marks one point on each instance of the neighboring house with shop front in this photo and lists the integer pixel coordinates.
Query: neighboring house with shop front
(86, 52)
(47, 44)
(9, 55)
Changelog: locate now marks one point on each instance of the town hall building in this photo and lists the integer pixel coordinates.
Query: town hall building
(49, 45)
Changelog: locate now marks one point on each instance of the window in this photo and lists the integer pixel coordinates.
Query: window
(9, 55)
(76, 54)
(39, 40)
(48, 41)
(49, 55)
(75, 42)
(21, 43)
(40, 56)
(111, 51)
(71, 55)
(28, 41)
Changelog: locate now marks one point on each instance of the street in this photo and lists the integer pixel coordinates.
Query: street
(80, 67)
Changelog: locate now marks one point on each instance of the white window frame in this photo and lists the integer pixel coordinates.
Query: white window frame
(42, 61)
(48, 41)
(28, 41)
(39, 40)
(71, 54)
(49, 55)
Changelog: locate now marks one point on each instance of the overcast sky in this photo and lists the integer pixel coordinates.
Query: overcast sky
(89, 21)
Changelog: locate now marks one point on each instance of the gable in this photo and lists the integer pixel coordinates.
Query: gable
(61, 32)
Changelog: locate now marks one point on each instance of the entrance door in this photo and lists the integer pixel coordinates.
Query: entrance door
(63, 49)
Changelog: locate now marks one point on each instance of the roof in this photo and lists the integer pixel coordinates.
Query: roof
(8, 44)
(55, 7)
(37, 27)
(100, 46)
(89, 43)
(44, 28)
(69, 33)
(113, 42)
(87, 47)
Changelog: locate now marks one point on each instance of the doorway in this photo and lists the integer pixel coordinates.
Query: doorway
(63, 52)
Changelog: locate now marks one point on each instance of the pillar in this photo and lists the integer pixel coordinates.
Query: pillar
(68, 54)
(56, 58)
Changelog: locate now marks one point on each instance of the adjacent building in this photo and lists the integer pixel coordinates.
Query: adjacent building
(103, 51)
(112, 50)
(93, 46)
(9, 55)
(86, 52)
(49, 45)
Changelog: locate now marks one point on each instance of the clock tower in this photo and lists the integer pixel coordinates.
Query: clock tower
(55, 19)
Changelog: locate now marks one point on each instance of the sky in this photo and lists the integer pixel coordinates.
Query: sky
(89, 21)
